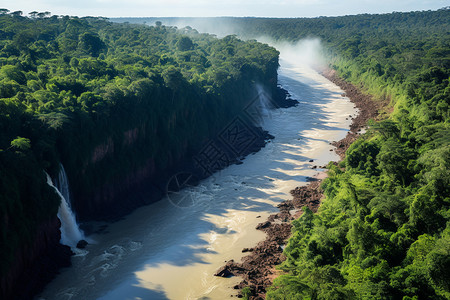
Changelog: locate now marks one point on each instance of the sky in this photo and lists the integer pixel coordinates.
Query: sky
(213, 8)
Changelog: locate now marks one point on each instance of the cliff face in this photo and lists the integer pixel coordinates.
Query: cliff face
(120, 195)
(144, 181)
(36, 264)
(119, 175)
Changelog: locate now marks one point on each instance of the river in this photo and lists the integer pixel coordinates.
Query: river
(163, 251)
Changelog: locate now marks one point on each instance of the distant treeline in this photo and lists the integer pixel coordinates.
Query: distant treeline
(106, 99)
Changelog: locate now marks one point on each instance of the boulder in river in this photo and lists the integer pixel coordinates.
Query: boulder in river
(263, 225)
(225, 271)
(82, 244)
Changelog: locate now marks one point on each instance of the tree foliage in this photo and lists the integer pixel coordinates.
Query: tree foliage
(382, 231)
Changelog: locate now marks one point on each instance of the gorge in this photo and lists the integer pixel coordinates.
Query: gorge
(164, 251)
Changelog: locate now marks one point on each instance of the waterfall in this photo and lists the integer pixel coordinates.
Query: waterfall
(62, 184)
(70, 232)
(264, 104)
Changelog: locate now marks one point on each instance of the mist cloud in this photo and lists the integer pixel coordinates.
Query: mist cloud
(309, 51)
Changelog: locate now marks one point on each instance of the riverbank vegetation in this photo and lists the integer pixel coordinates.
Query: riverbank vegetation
(106, 99)
(382, 231)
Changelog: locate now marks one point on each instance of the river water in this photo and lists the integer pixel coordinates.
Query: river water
(162, 251)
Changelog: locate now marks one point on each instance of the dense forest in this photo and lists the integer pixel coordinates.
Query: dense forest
(382, 231)
(106, 99)
(72, 89)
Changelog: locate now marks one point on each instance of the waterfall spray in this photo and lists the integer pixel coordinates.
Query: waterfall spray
(70, 232)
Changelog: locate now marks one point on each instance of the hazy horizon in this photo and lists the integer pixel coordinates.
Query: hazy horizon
(232, 8)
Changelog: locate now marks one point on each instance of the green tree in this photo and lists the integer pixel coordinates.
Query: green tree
(21, 143)
(185, 44)
(91, 44)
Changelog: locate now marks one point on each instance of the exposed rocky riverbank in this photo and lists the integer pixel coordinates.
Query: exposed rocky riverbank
(257, 269)
(368, 109)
